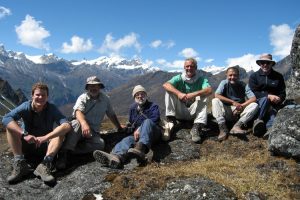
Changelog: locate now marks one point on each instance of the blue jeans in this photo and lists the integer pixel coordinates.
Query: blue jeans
(149, 134)
(266, 111)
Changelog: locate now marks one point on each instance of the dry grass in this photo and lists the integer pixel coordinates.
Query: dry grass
(239, 165)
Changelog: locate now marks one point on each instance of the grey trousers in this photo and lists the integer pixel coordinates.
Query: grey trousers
(75, 142)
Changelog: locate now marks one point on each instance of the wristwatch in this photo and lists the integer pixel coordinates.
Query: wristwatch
(24, 133)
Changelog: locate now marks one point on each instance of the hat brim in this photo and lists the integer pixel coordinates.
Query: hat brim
(271, 61)
(101, 85)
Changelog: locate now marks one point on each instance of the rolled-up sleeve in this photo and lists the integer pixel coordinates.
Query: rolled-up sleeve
(14, 115)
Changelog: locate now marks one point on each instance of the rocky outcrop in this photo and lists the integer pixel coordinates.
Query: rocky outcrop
(86, 178)
(293, 86)
(284, 137)
(192, 188)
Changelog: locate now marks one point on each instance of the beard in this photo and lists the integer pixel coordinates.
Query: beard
(140, 101)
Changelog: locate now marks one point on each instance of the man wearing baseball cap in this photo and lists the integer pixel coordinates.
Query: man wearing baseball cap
(144, 118)
(269, 88)
(88, 113)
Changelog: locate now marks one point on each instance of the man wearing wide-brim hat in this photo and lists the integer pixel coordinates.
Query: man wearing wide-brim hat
(269, 88)
(88, 113)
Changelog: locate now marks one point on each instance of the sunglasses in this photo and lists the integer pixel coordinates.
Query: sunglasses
(264, 62)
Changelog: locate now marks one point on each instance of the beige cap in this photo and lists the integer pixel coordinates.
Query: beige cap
(138, 88)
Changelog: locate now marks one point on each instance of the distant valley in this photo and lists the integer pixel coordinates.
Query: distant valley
(66, 79)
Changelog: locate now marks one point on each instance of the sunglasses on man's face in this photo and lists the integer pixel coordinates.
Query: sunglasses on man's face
(264, 62)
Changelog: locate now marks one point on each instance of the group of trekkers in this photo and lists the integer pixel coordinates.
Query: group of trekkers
(186, 98)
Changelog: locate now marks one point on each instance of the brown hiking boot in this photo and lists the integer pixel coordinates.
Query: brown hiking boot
(223, 132)
(43, 170)
(138, 152)
(20, 169)
(107, 160)
(196, 132)
(237, 129)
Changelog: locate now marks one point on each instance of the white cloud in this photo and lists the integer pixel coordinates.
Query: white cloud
(209, 60)
(188, 52)
(158, 43)
(155, 43)
(112, 46)
(31, 33)
(281, 37)
(247, 61)
(177, 64)
(4, 12)
(169, 44)
(77, 45)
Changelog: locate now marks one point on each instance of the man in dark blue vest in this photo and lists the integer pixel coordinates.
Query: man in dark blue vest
(234, 101)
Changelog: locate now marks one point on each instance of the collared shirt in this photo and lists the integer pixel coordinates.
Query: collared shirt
(95, 108)
(36, 123)
(190, 86)
(237, 92)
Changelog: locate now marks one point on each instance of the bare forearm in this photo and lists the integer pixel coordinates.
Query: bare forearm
(224, 99)
(115, 121)
(170, 88)
(251, 100)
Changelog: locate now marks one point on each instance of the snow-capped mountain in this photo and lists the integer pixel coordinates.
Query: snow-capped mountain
(65, 78)
(117, 62)
(213, 69)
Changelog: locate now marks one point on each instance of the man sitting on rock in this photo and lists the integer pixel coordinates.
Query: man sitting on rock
(36, 138)
(269, 88)
(186, 99)
(88, 111)
(233, 101)
(144, 118)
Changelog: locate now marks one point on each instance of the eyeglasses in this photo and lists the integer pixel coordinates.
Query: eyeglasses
(264, 62)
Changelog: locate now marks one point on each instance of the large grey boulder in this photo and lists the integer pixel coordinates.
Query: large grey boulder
(284, 138)
(293, 86)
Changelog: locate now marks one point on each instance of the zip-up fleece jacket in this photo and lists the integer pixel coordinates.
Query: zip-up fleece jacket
(262, 84)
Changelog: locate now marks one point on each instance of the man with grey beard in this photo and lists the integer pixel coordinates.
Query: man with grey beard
(144, 130)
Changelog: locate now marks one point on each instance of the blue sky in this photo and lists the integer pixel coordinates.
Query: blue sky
(158, 32)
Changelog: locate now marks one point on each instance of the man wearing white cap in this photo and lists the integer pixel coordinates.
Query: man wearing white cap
(269, 88)
(88, 111)
(144, 118)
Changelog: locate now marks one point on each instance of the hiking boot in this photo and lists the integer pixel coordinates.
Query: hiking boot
(107, 160)
(43, 170)
(259, 127)
(171, 121)
(237, 129)
(195, 132)
(61, 162)
(20, 169)
(138, 152)
(223, 132)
